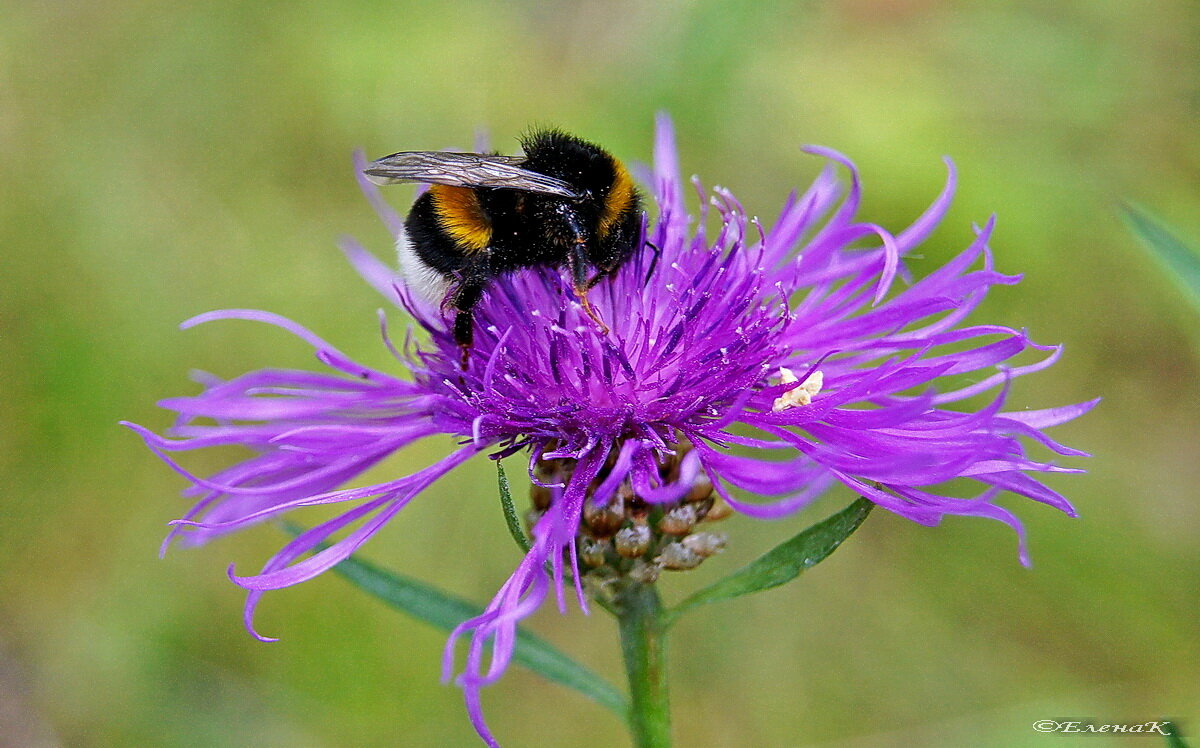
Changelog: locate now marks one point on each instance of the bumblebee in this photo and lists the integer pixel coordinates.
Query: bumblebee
(566, 203)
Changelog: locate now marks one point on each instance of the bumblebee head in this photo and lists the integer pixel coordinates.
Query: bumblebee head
(605, 190)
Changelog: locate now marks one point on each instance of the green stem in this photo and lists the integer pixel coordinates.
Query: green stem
(644, 646)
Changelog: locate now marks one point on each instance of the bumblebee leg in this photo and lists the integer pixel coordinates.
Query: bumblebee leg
(653, 263)
(464, 354)
(465, 297)
(595, 280)
(577, 260)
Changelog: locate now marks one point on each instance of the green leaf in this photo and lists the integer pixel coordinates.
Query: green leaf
(445, 611)
(510, 511)
(1182, 262)
(784, 562)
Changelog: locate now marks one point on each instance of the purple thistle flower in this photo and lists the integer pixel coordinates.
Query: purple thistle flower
(789, 340)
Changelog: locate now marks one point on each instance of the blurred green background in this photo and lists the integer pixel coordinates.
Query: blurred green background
(160, 160)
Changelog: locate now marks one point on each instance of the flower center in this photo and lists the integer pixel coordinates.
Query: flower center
(630, 538)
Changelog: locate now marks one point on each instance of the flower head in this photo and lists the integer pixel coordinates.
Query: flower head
(775, 361)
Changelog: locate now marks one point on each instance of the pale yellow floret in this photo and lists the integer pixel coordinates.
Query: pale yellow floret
(802, 393)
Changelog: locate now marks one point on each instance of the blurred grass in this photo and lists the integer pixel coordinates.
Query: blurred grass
(161, 160)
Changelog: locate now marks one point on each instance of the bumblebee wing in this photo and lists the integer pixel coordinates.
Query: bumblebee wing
(464, 170)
